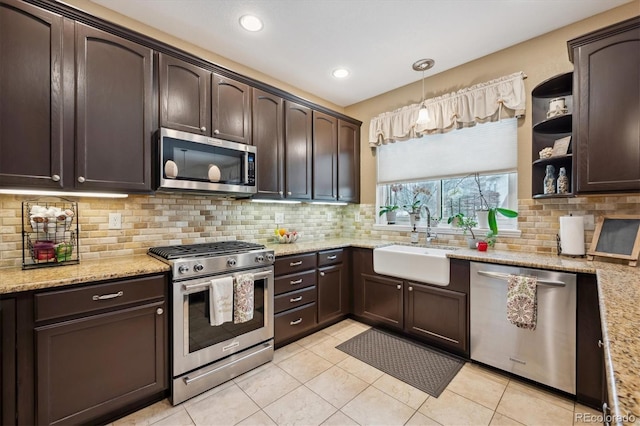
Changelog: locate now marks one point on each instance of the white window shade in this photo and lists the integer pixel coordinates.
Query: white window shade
(489, 147)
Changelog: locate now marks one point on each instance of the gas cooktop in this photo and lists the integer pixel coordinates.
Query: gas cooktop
(204, 249)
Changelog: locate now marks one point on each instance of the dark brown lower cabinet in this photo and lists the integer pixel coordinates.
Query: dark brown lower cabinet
(381, 300)
(333, 293)
(8, 362)
(436, 315)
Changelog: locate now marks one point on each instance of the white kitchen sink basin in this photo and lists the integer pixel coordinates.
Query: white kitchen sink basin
(422, 264)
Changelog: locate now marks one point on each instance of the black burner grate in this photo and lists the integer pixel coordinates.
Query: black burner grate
(204, 249)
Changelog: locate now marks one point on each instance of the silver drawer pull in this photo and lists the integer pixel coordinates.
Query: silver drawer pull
(334, 257)
(298, 263)
(502, 276)
(600, 344)
(322, 274)
(108, 296)
(295, 299)
(296, 282)
(296, 322)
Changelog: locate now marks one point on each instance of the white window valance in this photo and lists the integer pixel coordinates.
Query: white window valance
(476, 104)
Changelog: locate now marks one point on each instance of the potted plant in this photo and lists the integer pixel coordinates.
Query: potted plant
(490, 212)
(390, 211)
(467, 224)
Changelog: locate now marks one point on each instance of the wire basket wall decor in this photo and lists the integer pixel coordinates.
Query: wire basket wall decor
(49, 232)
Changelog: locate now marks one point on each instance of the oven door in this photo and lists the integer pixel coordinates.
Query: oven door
(196, 342)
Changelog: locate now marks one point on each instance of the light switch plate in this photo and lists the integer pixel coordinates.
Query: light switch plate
(279, 218)
(357, 217)
(115, 221)
(589, 224)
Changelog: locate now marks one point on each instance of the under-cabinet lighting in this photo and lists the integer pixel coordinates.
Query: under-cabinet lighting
(62, 193)
(276, 201)
(329, 203)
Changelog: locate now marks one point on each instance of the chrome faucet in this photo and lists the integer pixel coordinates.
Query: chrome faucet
(429, 235)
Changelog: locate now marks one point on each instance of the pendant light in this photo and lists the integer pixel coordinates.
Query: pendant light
(423, 65)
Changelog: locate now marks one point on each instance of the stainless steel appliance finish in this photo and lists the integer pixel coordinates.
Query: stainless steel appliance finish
(547, 354)
(196, 163)
(203, 356)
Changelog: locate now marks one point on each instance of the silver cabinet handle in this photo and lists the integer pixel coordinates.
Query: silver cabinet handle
(159, 311)
(298, 263)
(502, 276)
(296, 322)
(295, 299)
(108, 296)
(600, 344)
(280, 192)
(203, 129)
(216, 132)
(322, 274)
(410, 288)
(334, 257)
(296, 282)
(288, 192)
(55, 178)
(81, 179)
(399, 286)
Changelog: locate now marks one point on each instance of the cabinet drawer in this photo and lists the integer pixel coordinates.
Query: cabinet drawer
(295, 281)
(294, 299)
(330, 257)
(293, 322)
(291, 264)
(54, 304)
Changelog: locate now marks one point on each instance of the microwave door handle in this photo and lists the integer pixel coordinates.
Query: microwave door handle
(246, 168)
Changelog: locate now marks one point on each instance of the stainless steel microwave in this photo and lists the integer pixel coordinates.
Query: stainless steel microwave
(190, 162)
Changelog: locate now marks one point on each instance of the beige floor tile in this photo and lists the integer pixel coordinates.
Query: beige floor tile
(401, 391)
(351, 332)
(478, 387)
(337, 386)
(360, 369)
(494, 375)
(327, 350)
(374, 407)
(340, 419)
(312, 339)
(545, 395)
(226, 407)
(502, 420)
(452, 409)
(149, 415)
(268, 385)
(286, 351)
(300, 407)
(305, 365)
(258, 419)
(181, 418)
(586, 415)
(339, 327)
(526, 407)
(420, 419)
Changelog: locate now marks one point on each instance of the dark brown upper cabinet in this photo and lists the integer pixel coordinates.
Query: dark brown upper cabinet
(298, 150)
(114, 101)
(325, 157)
(348, 162)
(606, 124)
(31, 85)
(185, 96)
(231, 105)
(268, 138)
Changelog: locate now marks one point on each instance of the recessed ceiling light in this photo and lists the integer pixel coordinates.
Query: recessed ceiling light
(340, 73)
(251, 23)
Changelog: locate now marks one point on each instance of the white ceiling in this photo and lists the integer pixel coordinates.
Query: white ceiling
(377, 40)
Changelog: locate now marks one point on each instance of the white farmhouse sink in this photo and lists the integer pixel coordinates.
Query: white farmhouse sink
(422, 264)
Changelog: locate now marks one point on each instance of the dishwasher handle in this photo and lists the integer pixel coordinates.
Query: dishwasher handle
(502, 276)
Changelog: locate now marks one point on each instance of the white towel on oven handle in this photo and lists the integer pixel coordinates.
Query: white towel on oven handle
(221, 300)
(243, 298)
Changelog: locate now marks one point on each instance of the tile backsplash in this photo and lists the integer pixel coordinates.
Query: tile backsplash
(163, 219)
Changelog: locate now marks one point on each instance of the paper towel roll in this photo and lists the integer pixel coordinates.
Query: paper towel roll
(572, 235)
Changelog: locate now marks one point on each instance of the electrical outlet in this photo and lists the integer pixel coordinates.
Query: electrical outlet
(329, 216)
(357, 217)
(589, 224)
(115, 221)
(279, 218)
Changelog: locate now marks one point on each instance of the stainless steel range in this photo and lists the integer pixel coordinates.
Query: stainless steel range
(205, 355)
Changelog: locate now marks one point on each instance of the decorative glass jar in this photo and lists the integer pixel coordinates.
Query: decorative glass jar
(550, 180)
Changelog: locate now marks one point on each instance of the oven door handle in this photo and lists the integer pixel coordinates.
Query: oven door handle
(256, 276)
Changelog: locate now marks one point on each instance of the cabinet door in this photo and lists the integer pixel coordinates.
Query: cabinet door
(231, 104)
(185, 96)
(31, 137)
(381, 300)
(333, 295)
(348, 162)
(114, 112)
(607, 119)
(268, 138)
(297, 139)
(437, 315)
(8, 362)
(325, 156)
(92, 366)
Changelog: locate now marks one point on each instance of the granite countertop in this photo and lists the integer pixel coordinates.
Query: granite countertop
(618, 291)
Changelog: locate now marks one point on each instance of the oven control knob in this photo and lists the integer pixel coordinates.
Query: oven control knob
(271, 257)
(259, 258)
(231, 262)
(198, 267)
(183, 269)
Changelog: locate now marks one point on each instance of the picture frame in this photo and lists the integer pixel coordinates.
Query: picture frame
(617, 236)
(561, 146)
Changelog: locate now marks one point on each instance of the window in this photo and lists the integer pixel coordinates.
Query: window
(443, 172)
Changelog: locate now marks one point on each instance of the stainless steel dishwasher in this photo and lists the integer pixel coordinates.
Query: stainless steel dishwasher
(547, 354)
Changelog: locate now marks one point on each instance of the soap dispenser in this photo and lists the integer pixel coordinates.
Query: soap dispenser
(415, 237)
